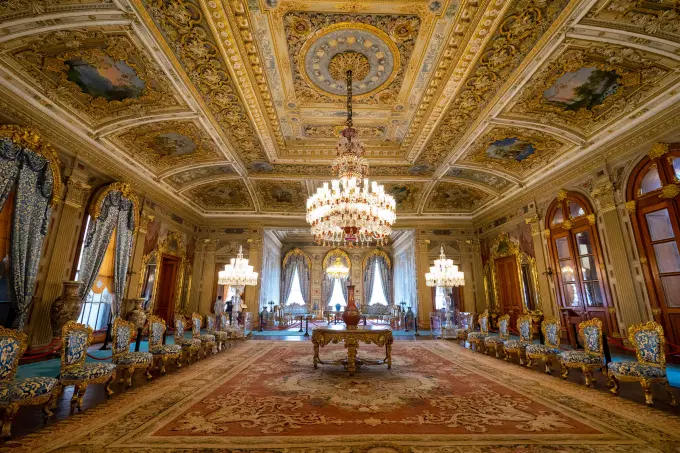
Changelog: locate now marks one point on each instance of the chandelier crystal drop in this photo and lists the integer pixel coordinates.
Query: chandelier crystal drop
(238, 272)
(337, 270)
(444, 273)
(351, 210)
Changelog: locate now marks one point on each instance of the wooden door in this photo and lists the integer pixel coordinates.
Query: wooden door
(507, 278)
(167, 288)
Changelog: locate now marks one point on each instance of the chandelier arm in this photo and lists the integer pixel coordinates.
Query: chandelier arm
(349, 98)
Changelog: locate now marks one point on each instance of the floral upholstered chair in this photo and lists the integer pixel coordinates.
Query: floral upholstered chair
(650, 368)
(551, 349)
(477, 338)
(164, 352)
(189, 345)
(592, 357)
(519, 346)
(76, 338)
(20, 392)
(232, 332)
(121, 355)
(496, 342)
(211, 327)
(207, 340)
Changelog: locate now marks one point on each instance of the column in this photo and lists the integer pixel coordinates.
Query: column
(477, 276)
(252, 293)
(546, 296)
(425, 302)
(209, 278)
(197, 276)
(470, 302)
(135, 267)
(64, 238)
(627, 309)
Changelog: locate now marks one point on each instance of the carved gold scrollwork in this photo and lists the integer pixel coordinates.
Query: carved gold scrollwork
(669, 191)
(631, 206)
(658, 150)
(125, 189)
(591, 219)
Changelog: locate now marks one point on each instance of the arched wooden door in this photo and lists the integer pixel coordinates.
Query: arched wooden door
(654, 202)
(576, 256)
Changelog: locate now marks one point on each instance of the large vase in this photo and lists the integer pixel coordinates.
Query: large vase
(138, 316)
(66, 307)
(351, 315)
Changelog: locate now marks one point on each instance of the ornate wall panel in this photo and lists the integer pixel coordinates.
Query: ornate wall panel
(223, 196)
(453, 197)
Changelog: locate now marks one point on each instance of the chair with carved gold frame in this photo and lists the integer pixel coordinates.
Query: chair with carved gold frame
(207, 340)
(164, 352)
(76, 338)
(120, 352)
(519, 346)
(211, 328)
(496, 342)
(650, 367)
(189, 345)
(465, 325)
(32, 391)
(592, 357)
(477, 338)
(232, 333)
(551, 349)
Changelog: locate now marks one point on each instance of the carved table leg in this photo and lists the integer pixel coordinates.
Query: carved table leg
(352, 346)
(388, 353)
(316, 355)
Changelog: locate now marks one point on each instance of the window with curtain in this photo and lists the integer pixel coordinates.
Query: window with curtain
(5, 229)
(378, 293)
(295, 296)
(337, 297)
(96, 309)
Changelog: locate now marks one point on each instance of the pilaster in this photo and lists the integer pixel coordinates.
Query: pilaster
(425, 302)
(546, 295)
(252, 293)
(471, 266)
(197, 276)
(209, 278)
(135, 267)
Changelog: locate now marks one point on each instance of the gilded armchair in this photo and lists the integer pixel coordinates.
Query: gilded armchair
(496, 342)
(650, 368)
(207, 340)
(163, 352)
(519, 346)
(551, 349)
(190, 346)
(477, 338)
(211, 327)
(592, 357)
(76, 338)
(14, 393)
(234, 331)
(121, 355)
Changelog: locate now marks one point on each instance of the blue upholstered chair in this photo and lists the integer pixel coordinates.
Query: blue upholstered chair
(496, 342)
(592, 357)
(650, 368)
(121, 355)
(206, 339)
(20, 392)
(190, 346)
(160, 351)
(76, 338)
(551, 349)
(519, 346)
(211, 328)
(477, 338)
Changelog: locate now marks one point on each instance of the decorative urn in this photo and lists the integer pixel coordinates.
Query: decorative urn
(138, 316)
(66, 307)
(351, 315)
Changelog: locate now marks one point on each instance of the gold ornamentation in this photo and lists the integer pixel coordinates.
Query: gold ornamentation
(643, 260)
(658, 150)
(669, 191)
(407, 194)
(172, 245)
(282, 196)
(631, 206)
(562, 195)
(547, 232)
(611, 310)
(231, 195)
(656, 312)
(376, 252)
(603, 194)
(342, 62)
(297, 251)
(30, 139)
(533, 219)
(454, 197)
(331, 255)
(126, 191)
(352, 338)
(566, 225)
(591, 219)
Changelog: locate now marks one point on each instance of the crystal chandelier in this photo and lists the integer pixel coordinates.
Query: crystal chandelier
(337, 270)
(444, 273)
(238, 272)
(350, 211)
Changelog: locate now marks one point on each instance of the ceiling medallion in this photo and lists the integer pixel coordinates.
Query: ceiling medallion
(350, 212)
(368, 51)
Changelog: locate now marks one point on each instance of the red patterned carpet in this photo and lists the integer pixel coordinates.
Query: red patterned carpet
(438, 397)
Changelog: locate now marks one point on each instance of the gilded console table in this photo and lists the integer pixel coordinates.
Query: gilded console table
(351, 338)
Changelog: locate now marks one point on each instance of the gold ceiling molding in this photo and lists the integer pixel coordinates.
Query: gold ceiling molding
(165, 145)
(225, 196)
(627, 79)
(204, 173)
(95, 208)
(282, 196)
(407, 195)
(30, 139)
(452, 197)
(654, 18)
(98, 75)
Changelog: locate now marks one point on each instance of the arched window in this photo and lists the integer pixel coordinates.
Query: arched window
(576, 258)
(378, 293)
(337, 297)
(295, 296)
(654, 202)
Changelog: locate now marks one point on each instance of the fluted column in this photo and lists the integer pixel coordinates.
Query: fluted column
(425, 302)
(546, 296)
(209, 277)
(65, 234)
(252, 293)
(628, 310)
(135, 267)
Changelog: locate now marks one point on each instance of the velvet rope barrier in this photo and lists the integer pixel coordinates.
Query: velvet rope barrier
(44, 354)
(98, 358)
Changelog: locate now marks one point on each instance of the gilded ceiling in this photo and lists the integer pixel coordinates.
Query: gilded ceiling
(233, 108)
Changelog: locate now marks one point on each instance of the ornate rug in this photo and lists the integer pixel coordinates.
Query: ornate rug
(266, 397)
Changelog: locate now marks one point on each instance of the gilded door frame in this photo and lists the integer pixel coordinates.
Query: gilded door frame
(161, 250)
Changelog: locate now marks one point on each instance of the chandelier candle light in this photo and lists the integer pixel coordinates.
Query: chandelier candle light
(239, 274)
(444, 273)
(351, 211)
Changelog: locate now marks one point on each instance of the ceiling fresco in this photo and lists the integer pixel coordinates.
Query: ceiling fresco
(233, 108)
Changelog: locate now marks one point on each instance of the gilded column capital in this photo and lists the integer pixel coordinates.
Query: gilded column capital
(535, 223)
(603, 194)
(423, 245)
(210, 245)
(144, 222)
(77, 192)
(254, 243)
(631, 206)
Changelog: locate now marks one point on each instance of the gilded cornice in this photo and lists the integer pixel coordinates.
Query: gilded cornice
(126, 191)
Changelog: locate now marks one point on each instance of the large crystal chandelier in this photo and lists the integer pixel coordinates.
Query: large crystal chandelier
(350, 211)
(238, 272)
(444, 273)
(337, 270)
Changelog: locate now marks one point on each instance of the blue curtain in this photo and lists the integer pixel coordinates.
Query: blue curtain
(299, 262)
(30, 175)
(385, 274)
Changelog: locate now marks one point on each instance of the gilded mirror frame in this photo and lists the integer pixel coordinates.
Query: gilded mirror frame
(163, 248)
